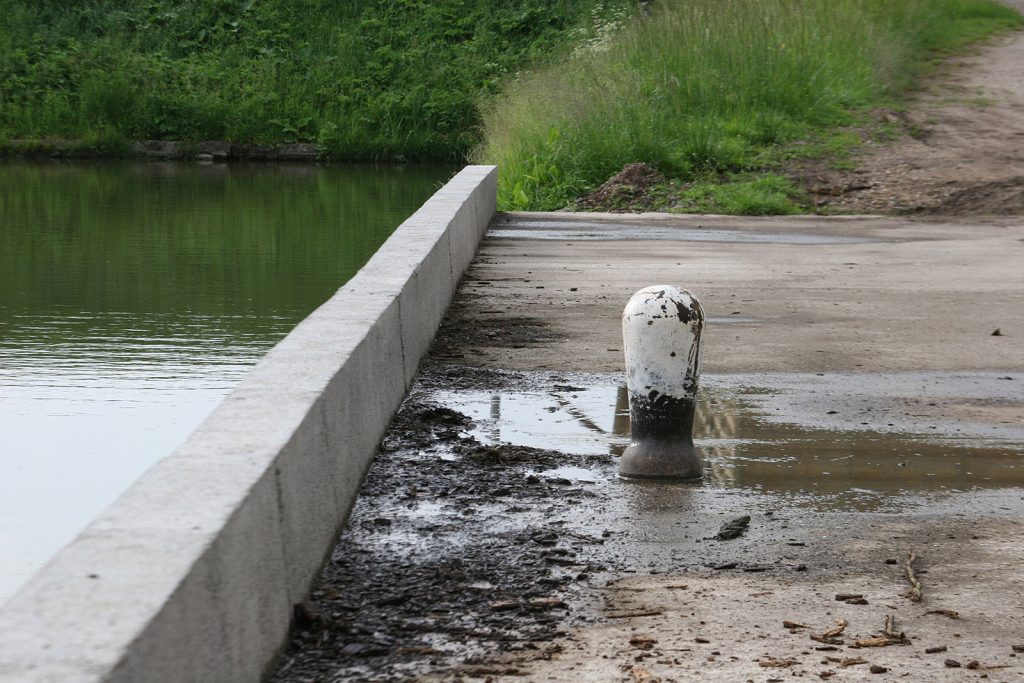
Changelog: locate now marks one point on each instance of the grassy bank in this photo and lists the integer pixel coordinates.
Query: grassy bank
(710, 91)
(367, 79)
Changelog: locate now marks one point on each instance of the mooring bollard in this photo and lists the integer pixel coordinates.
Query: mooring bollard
(661, 330)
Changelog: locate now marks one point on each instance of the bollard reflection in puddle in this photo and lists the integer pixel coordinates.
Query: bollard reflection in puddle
(745, 452)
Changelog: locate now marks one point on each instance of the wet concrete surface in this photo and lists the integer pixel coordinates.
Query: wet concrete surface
(493, 540)
(769, 438)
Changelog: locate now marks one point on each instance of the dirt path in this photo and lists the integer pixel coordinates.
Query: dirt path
(962, 150)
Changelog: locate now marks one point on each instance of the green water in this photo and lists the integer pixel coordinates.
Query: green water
(133, 297)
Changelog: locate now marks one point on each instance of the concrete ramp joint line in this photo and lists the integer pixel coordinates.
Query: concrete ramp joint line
(192, 574)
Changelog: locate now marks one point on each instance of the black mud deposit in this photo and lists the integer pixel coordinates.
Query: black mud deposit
(451, 552)
(461, 334)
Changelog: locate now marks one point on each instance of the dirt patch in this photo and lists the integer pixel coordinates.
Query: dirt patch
(629, 190)
(958, 149)
(997, 197)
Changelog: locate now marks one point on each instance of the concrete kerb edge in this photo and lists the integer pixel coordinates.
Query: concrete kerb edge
(193, 572)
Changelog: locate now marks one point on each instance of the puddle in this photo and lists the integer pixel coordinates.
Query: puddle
(572, 475)
(583, 420)
(748, 448)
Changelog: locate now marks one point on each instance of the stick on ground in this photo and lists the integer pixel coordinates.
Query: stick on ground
(915, 585)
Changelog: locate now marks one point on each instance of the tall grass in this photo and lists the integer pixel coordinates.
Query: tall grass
(699, 87)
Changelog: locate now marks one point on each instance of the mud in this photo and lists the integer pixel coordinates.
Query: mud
(453, 552)
(473, 555)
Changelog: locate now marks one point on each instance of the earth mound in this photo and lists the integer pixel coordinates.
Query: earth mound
(629, 190)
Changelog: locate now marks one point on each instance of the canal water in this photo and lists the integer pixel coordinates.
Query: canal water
(134, 296)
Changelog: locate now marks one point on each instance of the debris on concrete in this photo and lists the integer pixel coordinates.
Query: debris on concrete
(915, 585)
(952, 614)
(774, 663)
(847, 661)
(734, 528)
(643, 642)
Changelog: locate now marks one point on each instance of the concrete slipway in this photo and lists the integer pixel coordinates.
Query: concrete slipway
(854, 325)
(860, 406)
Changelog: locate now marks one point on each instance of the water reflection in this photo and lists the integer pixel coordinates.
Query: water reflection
(743, 451)
(133, 296)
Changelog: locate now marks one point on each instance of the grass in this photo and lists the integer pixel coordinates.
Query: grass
(560, 93)
(762, 195)
(366, 79)
(709, 89)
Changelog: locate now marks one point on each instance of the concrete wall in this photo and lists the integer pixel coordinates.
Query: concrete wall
(192, 574)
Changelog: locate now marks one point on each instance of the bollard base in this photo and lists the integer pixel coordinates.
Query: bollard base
(661, 459)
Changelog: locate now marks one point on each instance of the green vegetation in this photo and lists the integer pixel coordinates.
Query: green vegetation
(709, 91)
(560, 93)
(367, 79)
(763, 195)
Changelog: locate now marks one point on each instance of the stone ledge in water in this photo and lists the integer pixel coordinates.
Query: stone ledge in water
(210, 150)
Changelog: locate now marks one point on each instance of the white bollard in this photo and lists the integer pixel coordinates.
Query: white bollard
(661, 330)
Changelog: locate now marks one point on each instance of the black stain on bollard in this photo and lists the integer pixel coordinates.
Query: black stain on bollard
(662, 383)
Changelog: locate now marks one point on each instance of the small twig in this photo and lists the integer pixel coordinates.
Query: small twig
(847, 661)
(915, 585)
(873, 641)
(952, 614)
(629, 615)
(772, 662)
(889, 630)
(890, 636)
(829, 637)
(843, 597)
(836, 630)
